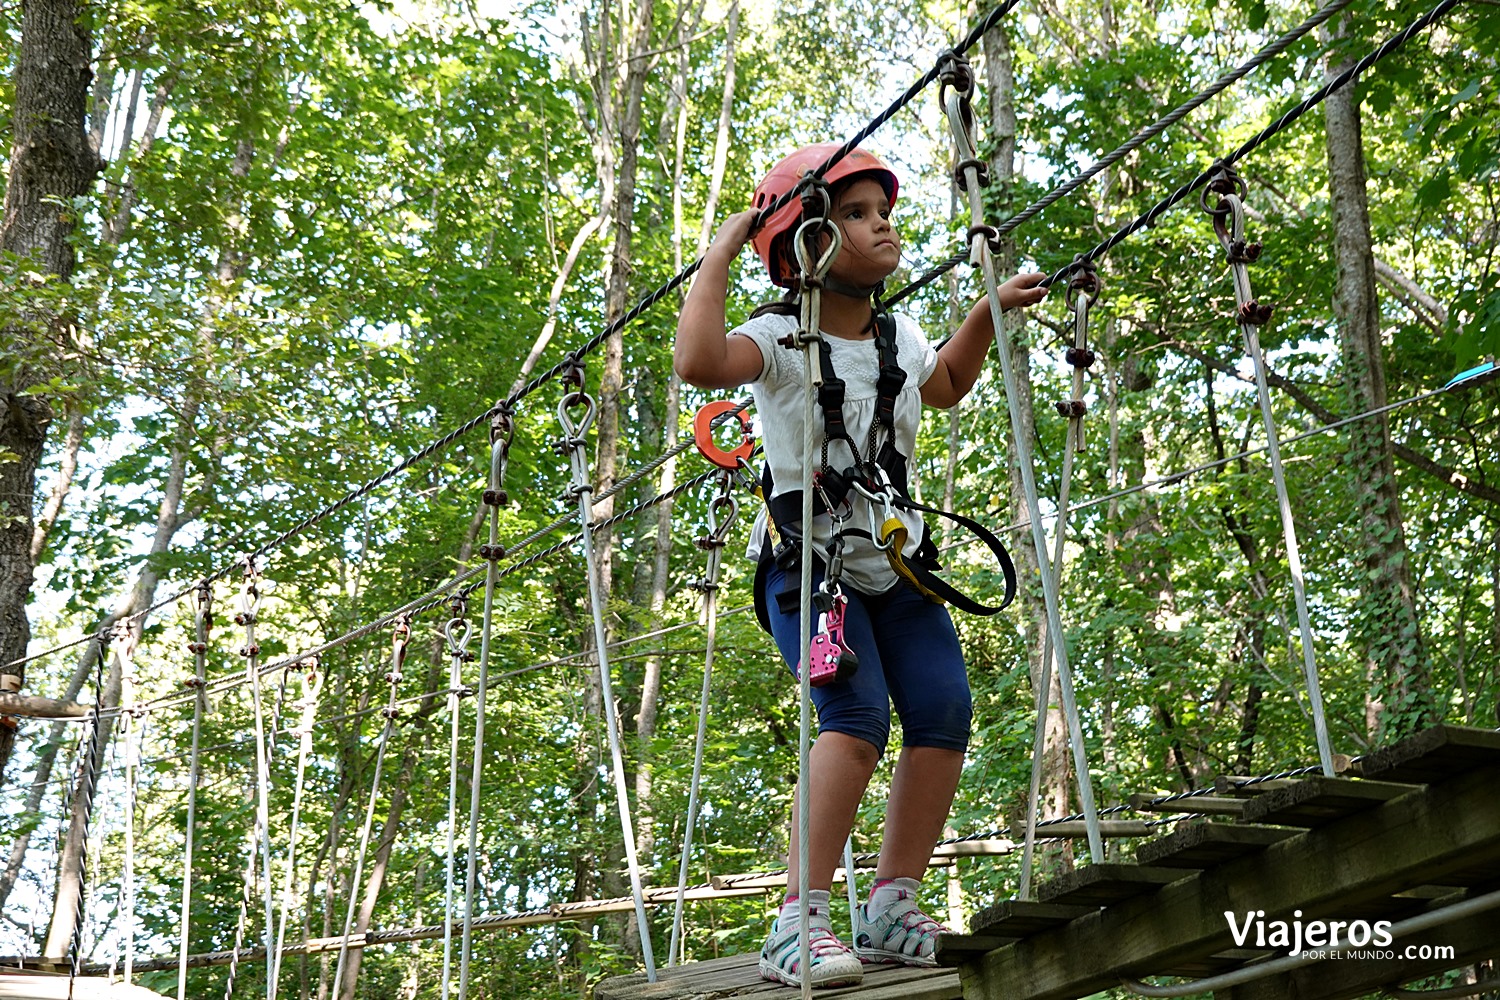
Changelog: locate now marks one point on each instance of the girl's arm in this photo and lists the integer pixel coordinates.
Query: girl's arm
(962, 358)
(704, 355)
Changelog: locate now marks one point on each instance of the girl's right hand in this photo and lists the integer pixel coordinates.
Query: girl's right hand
(734, 233)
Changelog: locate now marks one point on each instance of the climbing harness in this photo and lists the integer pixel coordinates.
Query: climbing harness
(457, 631)
(722, 512)
(958, 86)
(400, 639)
(1083, 292)
(573, 443)
(1251, 314)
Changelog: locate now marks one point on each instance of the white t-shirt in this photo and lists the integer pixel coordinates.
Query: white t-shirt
(779, 393)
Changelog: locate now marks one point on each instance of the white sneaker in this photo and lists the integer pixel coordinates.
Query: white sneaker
(902, 934)
(832, 963)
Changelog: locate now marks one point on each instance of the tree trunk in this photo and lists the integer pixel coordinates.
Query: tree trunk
(1399, 696)
(51, 164)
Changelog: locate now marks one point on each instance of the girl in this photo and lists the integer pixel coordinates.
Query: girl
(906, 648)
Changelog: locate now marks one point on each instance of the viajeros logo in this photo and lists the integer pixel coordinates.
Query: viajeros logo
(1252, 929)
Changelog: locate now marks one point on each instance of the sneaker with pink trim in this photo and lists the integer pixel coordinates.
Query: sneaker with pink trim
(832, 963)
(902, 935)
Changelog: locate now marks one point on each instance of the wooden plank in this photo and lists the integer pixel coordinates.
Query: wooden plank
(1317, 800)
(1204, 845)
(991, 848)
(1433, 755)
(1249, 787)
(1411, 840)
(1214, 805)
(1101, 885)
(955, 948)
(1077, 829)
(1019, 918)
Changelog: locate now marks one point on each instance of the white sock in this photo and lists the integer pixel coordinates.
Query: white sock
(887, 894)
(817, 910)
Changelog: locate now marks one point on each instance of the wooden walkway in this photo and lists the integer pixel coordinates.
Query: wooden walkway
(1407, 832)
(739, 976)
(1417, 831)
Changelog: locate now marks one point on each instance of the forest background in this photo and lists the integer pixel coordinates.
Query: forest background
(258, 254)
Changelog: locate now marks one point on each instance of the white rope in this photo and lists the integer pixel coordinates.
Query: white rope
(127, 874)
(457, 645)
(393, 678)
(808, 339)
(249, 609)
(1249, 323)
(1081, 306)
(573, 442)
(499, 449)
(312, 685)
(713, 540)
(202, 618)
(955, 106)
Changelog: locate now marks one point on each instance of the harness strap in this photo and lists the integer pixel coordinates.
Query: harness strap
(919, 572)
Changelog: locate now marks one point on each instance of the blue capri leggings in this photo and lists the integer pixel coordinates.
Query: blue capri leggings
(908, 654)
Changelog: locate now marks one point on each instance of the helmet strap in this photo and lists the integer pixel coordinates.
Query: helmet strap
(838, 287)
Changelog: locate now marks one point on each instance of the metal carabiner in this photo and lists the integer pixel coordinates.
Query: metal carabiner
(887, 513)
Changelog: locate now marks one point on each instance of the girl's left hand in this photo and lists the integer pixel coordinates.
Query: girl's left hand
(1023, 290)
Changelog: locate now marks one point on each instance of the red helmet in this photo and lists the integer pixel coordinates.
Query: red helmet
(784, 177)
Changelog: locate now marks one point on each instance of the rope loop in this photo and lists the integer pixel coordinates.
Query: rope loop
(1085, 279)
(572, 371)
(249, 595)
(458, 630)
(815, 266)
(573, 431)
(953, 70)
(1223, 180)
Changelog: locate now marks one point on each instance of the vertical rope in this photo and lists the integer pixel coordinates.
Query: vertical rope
(500, 437)
(312, 685)
(457, 631)
(713, 542)
(393, 678)
(960, 117)
(1086, 279)
(127, 874)
(808, 339)
(249, 611)
(1251, 315)
(203, 621)
(573, 442)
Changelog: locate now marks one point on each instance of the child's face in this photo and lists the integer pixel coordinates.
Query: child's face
(872, 248)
